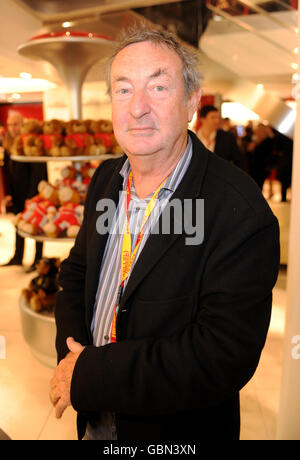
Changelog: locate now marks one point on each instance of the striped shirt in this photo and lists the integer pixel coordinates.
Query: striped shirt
(110, 274)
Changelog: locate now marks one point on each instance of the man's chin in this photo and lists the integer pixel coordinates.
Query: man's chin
(140, 147)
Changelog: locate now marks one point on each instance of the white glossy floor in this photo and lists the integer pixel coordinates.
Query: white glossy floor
(26, 413)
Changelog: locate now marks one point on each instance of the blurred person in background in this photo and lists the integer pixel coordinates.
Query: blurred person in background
(262, 148)
(284, 162)
(218, 141)
(21, 181)
(246, 141)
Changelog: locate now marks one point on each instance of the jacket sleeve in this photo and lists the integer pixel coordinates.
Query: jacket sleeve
(208, 360)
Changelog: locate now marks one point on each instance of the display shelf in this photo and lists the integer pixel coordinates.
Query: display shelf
(79, 158)
(43, 238)
(39, 332)
(72, 53)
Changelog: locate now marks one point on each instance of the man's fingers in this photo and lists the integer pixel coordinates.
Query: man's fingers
(74, 346)
(60, 407)
(54, 397)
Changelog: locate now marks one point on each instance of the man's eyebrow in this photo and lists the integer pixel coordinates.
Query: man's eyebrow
(159, 72)
(120, 79)
(155, 74)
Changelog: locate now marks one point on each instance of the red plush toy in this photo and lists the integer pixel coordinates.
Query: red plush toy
(69, 219)
(33, 219)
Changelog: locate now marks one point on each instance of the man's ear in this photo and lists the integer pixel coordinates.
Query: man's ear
(193, 103)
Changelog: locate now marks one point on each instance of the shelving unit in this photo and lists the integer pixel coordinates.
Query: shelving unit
(42, 238)
(73, 54)
(39, 333)
(79, 159)
(39, 329)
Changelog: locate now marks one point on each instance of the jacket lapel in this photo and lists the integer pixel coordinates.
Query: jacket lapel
(97, 242)
(157, 245)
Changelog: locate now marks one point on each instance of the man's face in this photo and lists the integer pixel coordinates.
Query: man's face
(211, 121)
(149, 112)
(14, 125)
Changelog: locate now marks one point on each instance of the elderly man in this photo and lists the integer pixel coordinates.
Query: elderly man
(21, 180)
(156, 331)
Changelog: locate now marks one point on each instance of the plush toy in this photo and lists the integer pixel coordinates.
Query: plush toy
(67, 194)
(36, 211)
(52, 137)
(33, 219)
(32, 140)
(68, 174)
(116, 149)
(103, 135)
(41, 292)
(87, 170)
(48, 192)
(69, 219)
(77, 138)
(98, 145)
(78, 180)
(17, 146)
(66, 216)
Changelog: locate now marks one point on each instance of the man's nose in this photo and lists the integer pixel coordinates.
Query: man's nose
(139, 104)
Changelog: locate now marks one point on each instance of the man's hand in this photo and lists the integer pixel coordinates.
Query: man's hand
(60, 385)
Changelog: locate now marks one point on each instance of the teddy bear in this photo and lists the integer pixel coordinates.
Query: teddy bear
(48, 192)
(68, 175)
(116, 149)
(98, 145)
(87, 171)
(17, 146)
(107, 134)
(37, 209)
(66, 216)
(69, 219)
(67, 194)
(52, 136)
(103, 135)
(35, 216)
(41, 292)
(77, 139)
(31, 136)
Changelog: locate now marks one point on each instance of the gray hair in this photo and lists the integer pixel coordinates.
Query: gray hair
(189, 59)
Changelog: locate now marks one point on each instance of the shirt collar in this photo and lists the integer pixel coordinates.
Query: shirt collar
(172, 178)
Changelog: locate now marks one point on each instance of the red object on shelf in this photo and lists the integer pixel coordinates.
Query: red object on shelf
(27, 110)
(69, 33)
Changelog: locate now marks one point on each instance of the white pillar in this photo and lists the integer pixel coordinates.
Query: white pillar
(289, 411)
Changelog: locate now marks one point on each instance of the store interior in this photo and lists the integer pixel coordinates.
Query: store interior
(249, 58)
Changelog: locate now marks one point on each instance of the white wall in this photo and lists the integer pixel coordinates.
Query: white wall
(95, 103)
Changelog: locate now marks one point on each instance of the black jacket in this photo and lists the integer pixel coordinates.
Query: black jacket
(193, 319)
(22, 181)
(226, 147)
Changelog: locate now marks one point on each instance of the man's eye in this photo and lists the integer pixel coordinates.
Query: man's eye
(124, 91)
(159, 88)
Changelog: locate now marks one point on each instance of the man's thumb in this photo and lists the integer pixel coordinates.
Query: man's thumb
(74, 347)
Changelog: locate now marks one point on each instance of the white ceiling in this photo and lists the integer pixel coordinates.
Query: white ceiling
(266, 60)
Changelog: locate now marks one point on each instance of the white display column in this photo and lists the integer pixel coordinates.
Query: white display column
(289, 411)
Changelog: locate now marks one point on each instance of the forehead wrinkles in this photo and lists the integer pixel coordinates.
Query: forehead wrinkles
(136, 56)
(156, 74)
